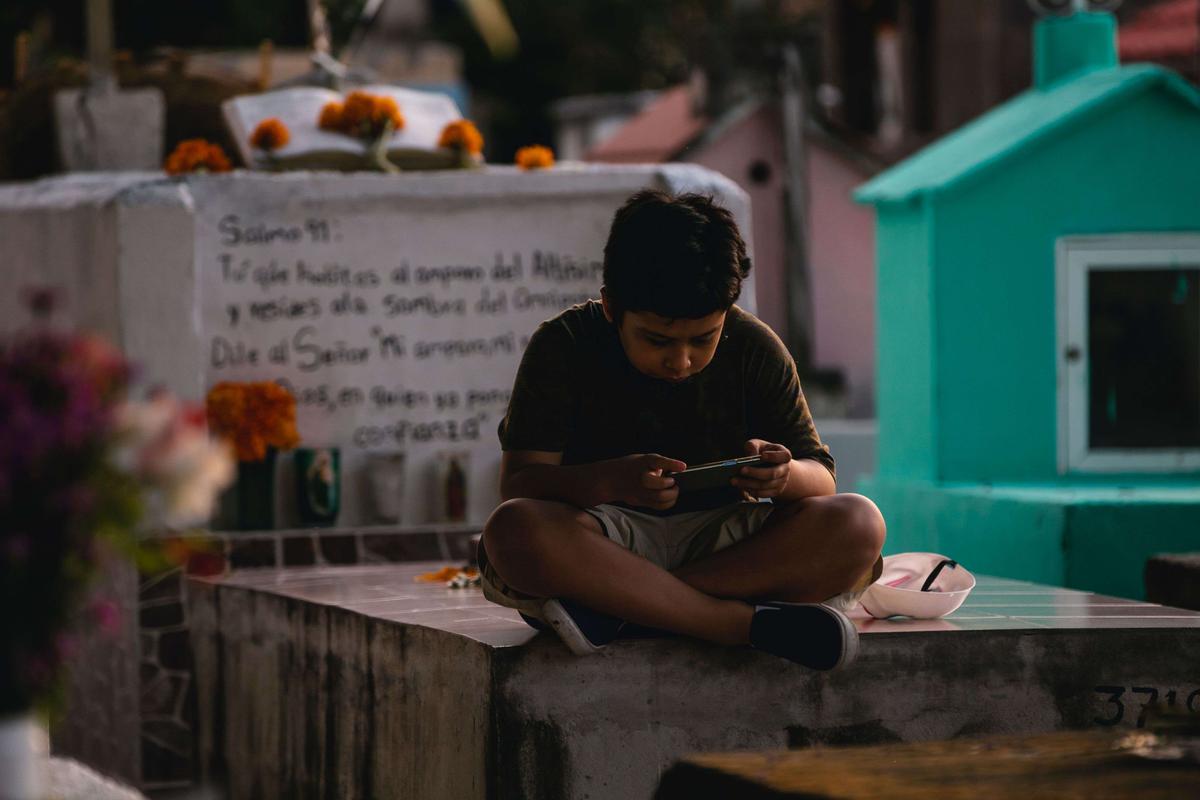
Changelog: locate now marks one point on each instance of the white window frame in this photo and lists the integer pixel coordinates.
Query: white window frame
(1075, 257)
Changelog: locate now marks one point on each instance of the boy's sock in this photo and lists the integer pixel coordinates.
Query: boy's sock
(583, 630)
(811, 634)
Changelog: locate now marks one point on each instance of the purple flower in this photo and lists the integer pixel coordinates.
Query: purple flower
(107, 615)
(66, 646)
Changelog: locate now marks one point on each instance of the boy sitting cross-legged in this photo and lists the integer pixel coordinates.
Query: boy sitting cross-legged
(612, 396)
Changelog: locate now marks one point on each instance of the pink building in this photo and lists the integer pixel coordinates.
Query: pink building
(746, 144)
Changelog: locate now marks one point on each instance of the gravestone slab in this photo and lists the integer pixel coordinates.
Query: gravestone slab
(367, 683)
(106, 131)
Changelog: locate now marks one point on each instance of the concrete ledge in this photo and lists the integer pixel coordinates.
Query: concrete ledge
(358, 682)
(1174, 580)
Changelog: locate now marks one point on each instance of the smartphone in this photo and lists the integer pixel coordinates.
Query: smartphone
(714, 474)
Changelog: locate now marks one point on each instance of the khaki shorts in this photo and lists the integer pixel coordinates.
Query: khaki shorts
(669, 542)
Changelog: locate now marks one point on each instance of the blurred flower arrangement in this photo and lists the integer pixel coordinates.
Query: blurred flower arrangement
(462, 137)
(258, 419)
(362, 115)
(370, 117)
(82, 470)
(535, 156)
(253, 417)
(270, 135)
(197, 155)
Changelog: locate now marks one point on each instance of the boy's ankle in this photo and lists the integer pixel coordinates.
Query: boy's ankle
(736, 631)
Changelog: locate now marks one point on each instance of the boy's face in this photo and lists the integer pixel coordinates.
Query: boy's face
(668, 349)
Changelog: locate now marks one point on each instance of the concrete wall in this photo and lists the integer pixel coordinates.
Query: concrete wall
(840, 246)
(853, 443)
(907, 388)
(63, 232)
(101, 724)
(1095, 538)
(300, 700)
(753, 138)
(841, 263)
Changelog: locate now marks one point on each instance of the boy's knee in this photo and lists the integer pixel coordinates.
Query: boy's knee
(860, 526)
(524, 525)
(527, 541)
(511, 525)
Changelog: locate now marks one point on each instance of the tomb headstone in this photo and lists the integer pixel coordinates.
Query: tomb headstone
(395, 307)
(102, 127)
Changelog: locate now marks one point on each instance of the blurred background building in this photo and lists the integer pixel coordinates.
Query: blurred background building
(796, 100)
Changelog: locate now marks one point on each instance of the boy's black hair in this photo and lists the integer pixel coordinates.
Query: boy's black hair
(680, 257)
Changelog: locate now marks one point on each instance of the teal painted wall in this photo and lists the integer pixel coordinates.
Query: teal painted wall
(1095, 540)
(967, 385)
(986, 532)
(992, 412)
(1108, 545)
(905, 371)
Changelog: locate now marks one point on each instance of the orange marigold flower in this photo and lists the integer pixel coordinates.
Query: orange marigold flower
(270, 134)
(357, 110)
(253, 417)
(331, 117)
(386, 110)
(535, 157)
(196, 155)
(366, 115)
(462, 135)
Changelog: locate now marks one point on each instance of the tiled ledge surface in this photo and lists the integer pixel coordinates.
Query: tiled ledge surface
(392, 592)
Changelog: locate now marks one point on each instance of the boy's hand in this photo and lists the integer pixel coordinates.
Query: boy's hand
(639, 480)
(768, 480)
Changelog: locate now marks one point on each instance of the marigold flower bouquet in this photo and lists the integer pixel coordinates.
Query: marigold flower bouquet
(84, 472)
(196, 155)
(258, 419)
(373, 127)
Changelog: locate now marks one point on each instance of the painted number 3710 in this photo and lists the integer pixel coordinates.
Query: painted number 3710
(1116, 698)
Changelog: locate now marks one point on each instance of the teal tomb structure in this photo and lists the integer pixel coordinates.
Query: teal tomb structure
(1039, 325)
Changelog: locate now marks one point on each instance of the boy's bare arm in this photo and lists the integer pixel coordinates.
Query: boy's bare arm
(637, 480)
(784, 477)
(807, 478)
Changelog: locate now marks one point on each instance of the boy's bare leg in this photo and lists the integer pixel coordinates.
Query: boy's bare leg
(806, 552)
(550, 549)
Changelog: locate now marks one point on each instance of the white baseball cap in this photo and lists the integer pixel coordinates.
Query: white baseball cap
(921, 585)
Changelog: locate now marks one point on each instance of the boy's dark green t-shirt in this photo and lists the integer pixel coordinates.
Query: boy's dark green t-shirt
(577, 393)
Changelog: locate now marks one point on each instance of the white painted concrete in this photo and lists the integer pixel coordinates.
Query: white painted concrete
(148, 260)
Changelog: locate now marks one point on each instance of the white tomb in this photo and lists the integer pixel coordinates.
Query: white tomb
(395, 307)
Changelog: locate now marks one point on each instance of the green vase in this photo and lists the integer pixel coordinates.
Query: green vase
(256, 493)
